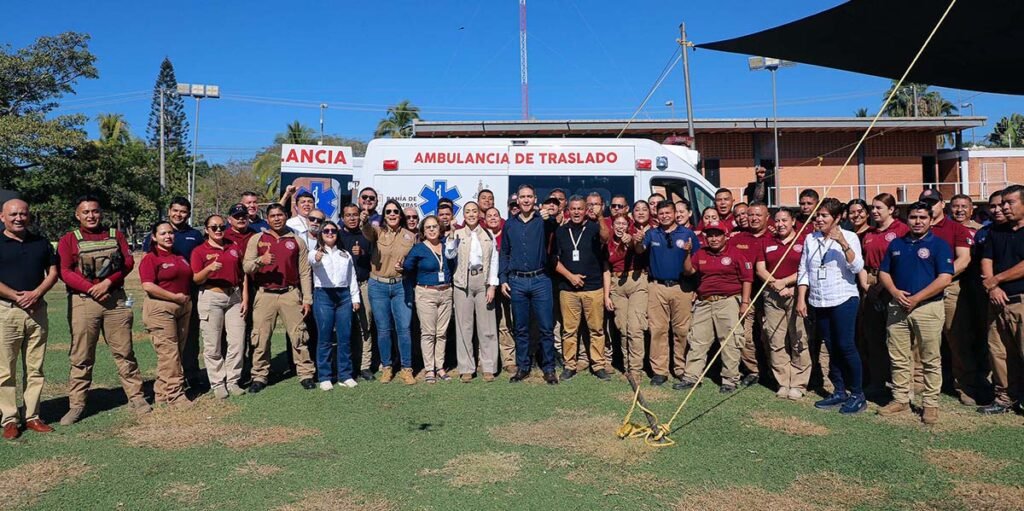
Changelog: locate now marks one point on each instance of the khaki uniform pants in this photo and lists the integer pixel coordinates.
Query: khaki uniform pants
(629, 296)
(748, 355)
(575, 305)
(266, 309)
(363, 319)
(872, 339)
(88, 318)
(668, 307)
(471, 305)
(1006, 345)
(788, 343)
(434, 310)
(21, 333)
(218, 313)
(506, 342)
(712, 321)
(960, 332)
(167, 324)
(923, 328)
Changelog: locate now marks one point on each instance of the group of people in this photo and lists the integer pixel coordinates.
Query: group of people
(851, 290)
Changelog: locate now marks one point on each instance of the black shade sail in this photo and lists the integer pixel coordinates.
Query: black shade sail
(976, 48)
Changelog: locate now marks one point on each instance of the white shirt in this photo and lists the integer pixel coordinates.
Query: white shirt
(298, 225)
(335, 269)
(829, 278)
(476, 254)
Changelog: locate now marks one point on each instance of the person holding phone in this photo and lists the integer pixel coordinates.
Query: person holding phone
(827, 291)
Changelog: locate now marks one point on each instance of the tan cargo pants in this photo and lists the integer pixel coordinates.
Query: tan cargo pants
(629, 296)
(1006, 348)
(22, 334)
(434, 310)
(167, 324)
(668, 307)
(87, 319)
(266, 309)
(221, 313)
(577, 306)
(471, 308)
(712, 321)
(788, 343)
(923, 328)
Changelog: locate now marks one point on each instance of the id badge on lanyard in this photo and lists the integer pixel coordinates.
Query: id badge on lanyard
(440, 277)
(575, 256)
(822, 273)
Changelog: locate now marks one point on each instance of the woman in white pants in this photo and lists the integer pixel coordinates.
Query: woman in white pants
(475, 278)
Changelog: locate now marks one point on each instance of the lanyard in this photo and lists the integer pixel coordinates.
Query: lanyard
(440, 260)
(576, 241)
(823, 248)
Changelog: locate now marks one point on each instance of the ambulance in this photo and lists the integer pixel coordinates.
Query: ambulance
(327, 172)
(420, 172)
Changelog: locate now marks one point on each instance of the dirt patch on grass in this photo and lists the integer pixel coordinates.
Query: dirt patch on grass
(652, 395)
(22, 485)
(479, 468)
(789, 425)
(816, 492)
(963, 462)
(184, 493)
(202, 423)
(576, 432)
(340, 499)
(253, 468)
(989, 497)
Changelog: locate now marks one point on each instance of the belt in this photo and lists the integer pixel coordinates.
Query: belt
(620, 274)
(441, 287)
(872, 271)
(386, 280)
(476, 272)
(715, 298)
(669, 283)
(1015, 299)
(528, 274)
(278, 290)
(223, 290)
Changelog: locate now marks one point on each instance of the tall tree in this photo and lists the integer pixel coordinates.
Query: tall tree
(32, 80)
(296, 133)
(113, 129)
(175, 123)
(398, 123)
(1008, 132)
(929, 103)
(861, 112)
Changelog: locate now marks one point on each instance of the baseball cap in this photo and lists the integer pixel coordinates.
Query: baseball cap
(717, 226)
(238, 210)
(930, 195)
(552, 202)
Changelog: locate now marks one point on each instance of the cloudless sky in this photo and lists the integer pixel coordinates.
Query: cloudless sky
(456, 59)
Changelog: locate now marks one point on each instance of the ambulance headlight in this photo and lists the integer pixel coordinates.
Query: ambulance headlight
(662, 162)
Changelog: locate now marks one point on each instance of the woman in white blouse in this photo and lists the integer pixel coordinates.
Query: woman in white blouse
(335, 297)
(827, 281)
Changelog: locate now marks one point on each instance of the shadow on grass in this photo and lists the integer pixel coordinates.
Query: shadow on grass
(711, 409)
(98, 400)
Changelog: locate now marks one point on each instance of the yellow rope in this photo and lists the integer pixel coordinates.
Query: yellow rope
(635, 430)
(668, 426)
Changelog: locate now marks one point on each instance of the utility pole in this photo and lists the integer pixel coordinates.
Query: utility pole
(323, 106)
(913, 87)
(775, 122)
(523, 80)
(685, 46)
(195, 158)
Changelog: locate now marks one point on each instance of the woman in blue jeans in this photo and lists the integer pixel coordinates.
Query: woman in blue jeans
(392, 307)
(827, 280)
(335, 297)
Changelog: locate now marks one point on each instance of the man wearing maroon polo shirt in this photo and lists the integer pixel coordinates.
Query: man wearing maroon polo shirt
(276, 260)
(723, 204)
(957, 329)
(751, 244)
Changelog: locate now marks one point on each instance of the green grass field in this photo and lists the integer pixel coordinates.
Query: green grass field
(496, 446)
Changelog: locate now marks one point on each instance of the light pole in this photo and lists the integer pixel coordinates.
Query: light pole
(772, 65)
(971, 106)
(684, 46)
(198, 91)
(323, 106)
(671, 104)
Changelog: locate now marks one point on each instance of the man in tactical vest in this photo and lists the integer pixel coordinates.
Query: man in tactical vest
(93, 264)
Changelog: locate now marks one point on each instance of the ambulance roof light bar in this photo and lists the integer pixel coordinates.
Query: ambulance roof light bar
(643, 164)
(390, 164)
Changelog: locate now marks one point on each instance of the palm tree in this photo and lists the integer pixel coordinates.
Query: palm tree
(113, 129)
(861, 112)
(296, 133)
(267, 165)
(398, 123)
(929, 103)
(1008, 132)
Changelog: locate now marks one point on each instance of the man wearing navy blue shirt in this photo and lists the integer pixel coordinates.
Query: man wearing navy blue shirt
(916, 270)
(669, 295)
(522, 271)
(185, 237)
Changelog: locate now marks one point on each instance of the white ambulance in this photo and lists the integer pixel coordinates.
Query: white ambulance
(420, 172)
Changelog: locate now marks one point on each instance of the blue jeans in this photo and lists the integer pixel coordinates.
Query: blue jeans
(533, 294)
(332, 308)
(837, 326)
(389, 303)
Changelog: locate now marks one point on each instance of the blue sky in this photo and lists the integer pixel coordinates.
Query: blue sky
(456, 59)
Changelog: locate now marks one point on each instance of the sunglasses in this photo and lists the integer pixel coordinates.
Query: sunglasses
(216, 227)
(330, 231)
(428, 227)
(413, 217)
(316, 220)
(618, 206)
(368, 197)
(391, 211)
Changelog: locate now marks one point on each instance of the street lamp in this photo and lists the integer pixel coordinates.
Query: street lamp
(772, 65)
(671, 104)
(198, 91)
(323, 106)
(971, 106)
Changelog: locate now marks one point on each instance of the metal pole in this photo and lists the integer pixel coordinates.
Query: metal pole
(686, 84)
(775, 127)
(322, 107)
(195, 158)
(914, 88)
(163, 173)
(972, 129)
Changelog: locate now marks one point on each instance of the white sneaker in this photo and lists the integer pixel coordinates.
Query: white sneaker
(349, 383)
(326, 385)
